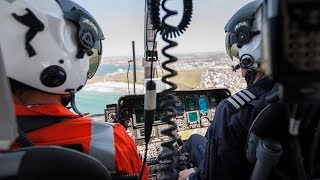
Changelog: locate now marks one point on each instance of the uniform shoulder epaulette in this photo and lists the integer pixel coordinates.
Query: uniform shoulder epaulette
(241, 98)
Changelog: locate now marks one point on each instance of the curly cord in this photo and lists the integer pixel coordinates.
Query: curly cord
(168, 164)
(154, 7)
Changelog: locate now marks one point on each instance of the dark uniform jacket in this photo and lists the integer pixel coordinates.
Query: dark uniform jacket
(225, 151)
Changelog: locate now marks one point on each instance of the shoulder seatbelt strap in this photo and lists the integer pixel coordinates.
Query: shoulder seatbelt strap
(31, 123)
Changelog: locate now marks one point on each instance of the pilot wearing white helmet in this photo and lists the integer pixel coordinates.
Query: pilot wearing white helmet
(50, 49)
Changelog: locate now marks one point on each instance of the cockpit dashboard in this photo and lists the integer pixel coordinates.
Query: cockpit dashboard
(195, 112)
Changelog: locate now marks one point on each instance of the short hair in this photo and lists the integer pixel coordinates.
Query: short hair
(17, 88)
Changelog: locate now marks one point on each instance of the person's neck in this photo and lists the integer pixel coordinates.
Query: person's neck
(36, 98)
(258, 77)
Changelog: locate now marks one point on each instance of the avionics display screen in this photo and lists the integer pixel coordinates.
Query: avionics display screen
(140, 116)
(180, 108)
(141, 132)
(203, 105)
(159, 115)
(193, 117)
(191, 104)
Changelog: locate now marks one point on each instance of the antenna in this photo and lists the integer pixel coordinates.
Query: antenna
(134, 67)
(150, 53)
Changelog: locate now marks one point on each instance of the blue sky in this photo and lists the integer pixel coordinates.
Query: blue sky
(123, 21)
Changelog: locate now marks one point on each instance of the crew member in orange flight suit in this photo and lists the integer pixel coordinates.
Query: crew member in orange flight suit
(50, 49)
(109, 143)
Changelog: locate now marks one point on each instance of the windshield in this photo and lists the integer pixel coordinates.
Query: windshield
(202, 60)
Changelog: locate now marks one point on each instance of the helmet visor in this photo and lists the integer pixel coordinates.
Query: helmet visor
(232, 46)
(94, 59)
(89, 34)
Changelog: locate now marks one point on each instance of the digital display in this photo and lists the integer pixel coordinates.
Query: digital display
(203, 105)
(193, 117)
(159, 115)
(180, 108)
(191, 104)
(139, 116)
(141, 132)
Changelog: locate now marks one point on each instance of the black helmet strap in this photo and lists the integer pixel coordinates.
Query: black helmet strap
(250, 76)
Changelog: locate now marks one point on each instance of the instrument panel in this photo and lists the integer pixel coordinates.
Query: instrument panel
(195, 111)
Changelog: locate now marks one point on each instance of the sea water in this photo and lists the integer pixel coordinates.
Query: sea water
(94, 102)
(93, 98)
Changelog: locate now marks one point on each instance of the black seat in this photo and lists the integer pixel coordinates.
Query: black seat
(267, 143)
(39, 163)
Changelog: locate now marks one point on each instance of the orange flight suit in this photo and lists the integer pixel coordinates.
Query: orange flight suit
(107, 142)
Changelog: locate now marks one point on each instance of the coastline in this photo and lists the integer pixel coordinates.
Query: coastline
(205, 72)
(120, 88)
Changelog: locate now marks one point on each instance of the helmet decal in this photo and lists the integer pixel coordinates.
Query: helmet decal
(35, 26)
(89, 33)
(51, 45)
(253, 47)
(10, 1)
(240, 29)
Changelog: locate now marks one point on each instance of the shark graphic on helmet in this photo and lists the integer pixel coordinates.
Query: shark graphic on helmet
(57, 44)
(10, 1)
(35, 26)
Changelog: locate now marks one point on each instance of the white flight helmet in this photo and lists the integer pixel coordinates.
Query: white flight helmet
(50, 45)
(243, 37)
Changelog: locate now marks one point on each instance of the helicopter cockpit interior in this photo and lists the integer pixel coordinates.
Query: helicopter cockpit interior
(282, 143)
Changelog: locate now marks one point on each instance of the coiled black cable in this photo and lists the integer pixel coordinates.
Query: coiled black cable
(166, 158)
(169, 103)
(154, 8)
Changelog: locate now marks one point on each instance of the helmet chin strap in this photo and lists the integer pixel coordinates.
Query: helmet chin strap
(65, 100)
(250, 76)
(73, 104)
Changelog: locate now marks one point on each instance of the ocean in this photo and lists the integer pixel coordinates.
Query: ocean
(93, 98)
(94, 102)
